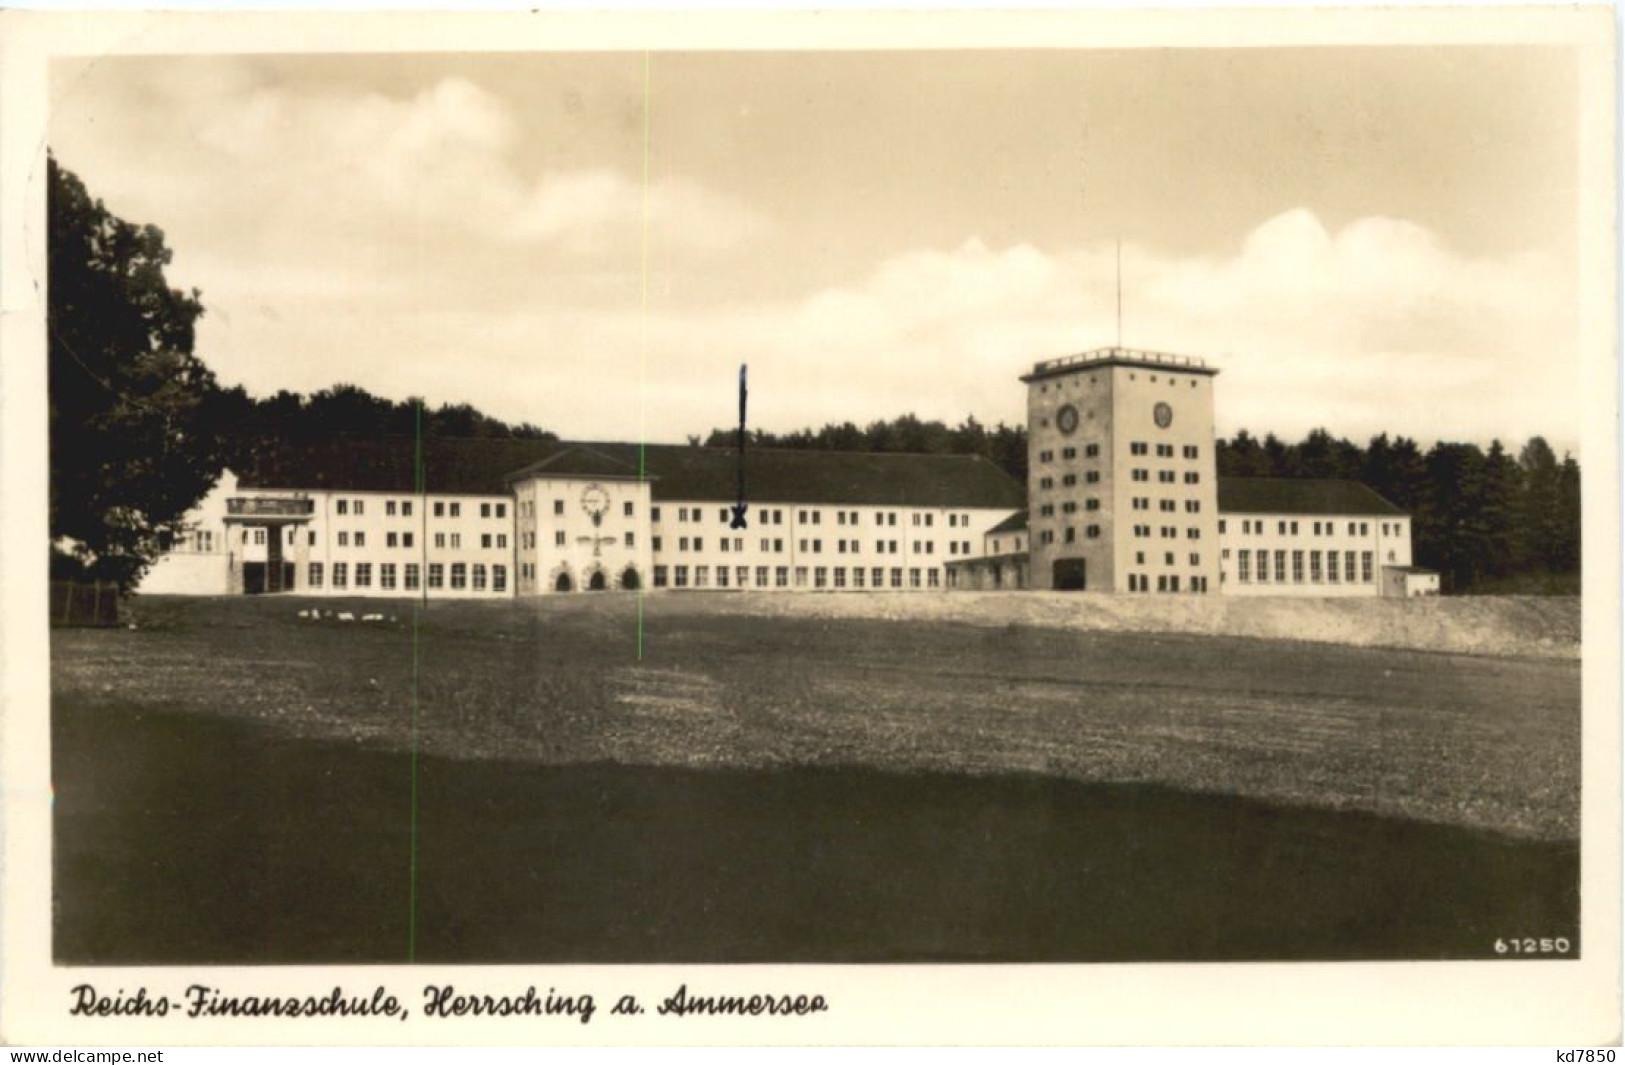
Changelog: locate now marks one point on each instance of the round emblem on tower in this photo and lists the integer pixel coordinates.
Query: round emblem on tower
(1066, 419)
(1163, 414)
(595, 501)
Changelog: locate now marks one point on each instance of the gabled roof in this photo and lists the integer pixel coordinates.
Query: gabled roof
(577, 461)
(1014, 523)
(1299, 495)
(483, 466)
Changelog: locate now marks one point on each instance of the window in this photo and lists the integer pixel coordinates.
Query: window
(761, 576)
(722, 576)
(1280, 567)
(479, 577)
(344, 538)
(877, 577)
(682, 575)
(801, 576)
(439, 509)
(654, 513)
(660, 576)
(558, 508)
(411, 576)
(386, 575)
(1191, 451)
(502, 510)
(1348, 567)
(725, 543)
(440, 540)
(722, 516)
(626, 509)
(459, 575)
(342, 506)
(341, 576)
(781, 574)
(456, 540)
(1193, 478)
(931, 577)
(820, 577)
(485, 510)
(1221, 526)
(1071, 534)
(1244, 566)
(897, 577)
(502, 540)
(1140, 475)
(315, 578)
(654, 542)
(1137, 447)
(360, 507)
(406, 539)
(1365, 567)
(499, 578)
(1297, 567)
(914, 577)
(485, 541)
(742, 576)
(406, 508)
(361, 539)
(1196, 559)
(456, 510)
(1165, 476)
(1331, 566)
(699, 543)
(363, 574)
(1314, 567)
(1092, 532)
(1165, 451)
(1263, 567)
(558, 538)
(389, 508)
(208, 537)
(437, 575)
(630, 540)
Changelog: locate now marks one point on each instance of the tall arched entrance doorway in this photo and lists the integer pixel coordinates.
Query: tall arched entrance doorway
(629, 579)
(563, 584)
(596, 582)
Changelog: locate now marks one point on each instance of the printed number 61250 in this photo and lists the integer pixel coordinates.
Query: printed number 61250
(1559, 945)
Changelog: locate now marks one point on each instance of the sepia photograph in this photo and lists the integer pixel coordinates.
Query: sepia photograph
(860, 506)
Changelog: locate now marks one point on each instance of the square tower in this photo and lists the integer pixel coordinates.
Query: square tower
(1121, 486)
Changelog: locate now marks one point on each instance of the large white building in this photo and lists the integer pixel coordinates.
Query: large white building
(1122, 496)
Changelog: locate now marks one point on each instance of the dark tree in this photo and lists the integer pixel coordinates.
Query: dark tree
(132, 445)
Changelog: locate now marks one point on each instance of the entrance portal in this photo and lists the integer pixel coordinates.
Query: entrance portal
(1070, 575)
(629, 579)
(563, 583)
(595, 583)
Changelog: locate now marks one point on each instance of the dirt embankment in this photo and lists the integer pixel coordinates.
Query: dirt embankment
(1542, 627)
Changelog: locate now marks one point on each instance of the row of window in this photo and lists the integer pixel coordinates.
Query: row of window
(807, 546)
(403, 508)
(1167, 506)
(1076, 380)
(1168, 558)
(1335, 562)
(461, 573)
(1067, 481)
(1256, 526)
(1166, 476)
(527, 509)
(820, 576)
(775, 516)
(1166, 582)
(527, 540)
(1164, 451)
(1090, 451)
(1169, 532)
(1069, 534)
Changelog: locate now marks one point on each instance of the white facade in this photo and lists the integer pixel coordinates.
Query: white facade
(1317, 555)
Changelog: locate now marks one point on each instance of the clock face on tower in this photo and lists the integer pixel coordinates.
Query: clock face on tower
(1066, 419)
(595, 501)
(1164, 415)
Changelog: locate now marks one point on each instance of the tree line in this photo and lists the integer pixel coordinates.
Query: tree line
(140, 428)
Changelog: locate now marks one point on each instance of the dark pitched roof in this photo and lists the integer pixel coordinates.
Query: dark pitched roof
(1014, 523)
(578, 461)
(482, 466)
(1295, 495)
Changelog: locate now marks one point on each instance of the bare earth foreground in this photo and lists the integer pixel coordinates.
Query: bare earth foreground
(817, 780)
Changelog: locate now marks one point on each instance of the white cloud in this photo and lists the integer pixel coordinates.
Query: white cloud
(1375, 327)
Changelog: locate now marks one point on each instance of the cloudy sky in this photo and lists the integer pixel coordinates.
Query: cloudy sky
(1362, 239)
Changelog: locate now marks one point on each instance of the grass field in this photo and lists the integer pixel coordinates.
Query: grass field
(235, 783)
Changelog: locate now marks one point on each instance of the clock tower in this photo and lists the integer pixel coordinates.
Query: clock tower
(1121, 492)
